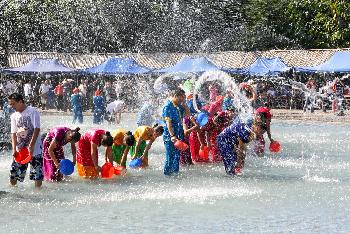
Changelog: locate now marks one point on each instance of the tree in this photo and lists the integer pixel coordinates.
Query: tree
(321, 23)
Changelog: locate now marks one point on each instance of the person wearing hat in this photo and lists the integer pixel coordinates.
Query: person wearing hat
(99, 107)
(77, 106)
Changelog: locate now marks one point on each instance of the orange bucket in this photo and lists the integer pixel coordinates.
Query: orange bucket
(23, 156)
(107, 170)
(180, 145)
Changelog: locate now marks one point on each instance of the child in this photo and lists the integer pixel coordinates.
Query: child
(87, 152)
(53, 144)
(140, 148)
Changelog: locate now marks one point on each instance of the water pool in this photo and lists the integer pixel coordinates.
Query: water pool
(305, 189)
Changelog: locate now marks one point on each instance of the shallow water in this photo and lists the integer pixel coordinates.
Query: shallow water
(305, 189)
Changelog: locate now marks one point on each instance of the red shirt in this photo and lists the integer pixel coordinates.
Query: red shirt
(84, 146)
(59, 90)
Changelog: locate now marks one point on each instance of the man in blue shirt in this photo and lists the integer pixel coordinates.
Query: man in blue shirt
(99, 108)
(173, 113)
(77, 106)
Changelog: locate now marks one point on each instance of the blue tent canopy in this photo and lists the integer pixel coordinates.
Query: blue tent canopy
(194, 65)
(266, 67)
(339, 62)
(233, 70)
(118, 66)
(41, 65)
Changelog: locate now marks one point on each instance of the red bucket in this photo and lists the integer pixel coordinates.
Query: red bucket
(204, 153)
(275, 147)
(180, 145)
(119, 170)
(23, 156)
(107, 170)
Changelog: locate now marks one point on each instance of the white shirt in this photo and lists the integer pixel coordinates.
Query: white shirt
(82, 89)
(27, 89)
(118, 89)
(23, 125)
(115, 106)
(44, 88)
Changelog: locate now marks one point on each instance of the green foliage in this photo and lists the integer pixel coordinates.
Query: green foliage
(299, 23)
(321, 23)
(172, 26)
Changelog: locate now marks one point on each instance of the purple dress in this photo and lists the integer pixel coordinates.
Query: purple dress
(58, 134)
(185, 156)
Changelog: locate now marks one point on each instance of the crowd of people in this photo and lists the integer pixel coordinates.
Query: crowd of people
(223, 136)
(107, 98)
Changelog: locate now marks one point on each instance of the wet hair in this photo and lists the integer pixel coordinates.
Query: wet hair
(129, 139)
(76, 135)
(179, 92)
(107, 139)
(158, 128)
(16, 96)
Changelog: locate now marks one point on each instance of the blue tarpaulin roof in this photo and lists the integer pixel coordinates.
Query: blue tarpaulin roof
(118, 66)
(194, 65)
(266, 66)
(41, 65)
(339, 62)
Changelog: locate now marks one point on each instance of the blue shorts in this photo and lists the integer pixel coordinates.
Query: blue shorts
(18, 171)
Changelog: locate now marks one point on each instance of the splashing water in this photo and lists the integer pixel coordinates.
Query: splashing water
(225, 83)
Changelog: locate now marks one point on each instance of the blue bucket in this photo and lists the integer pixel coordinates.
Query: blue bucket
(137, 162)
(202, 118)
(66, 167)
